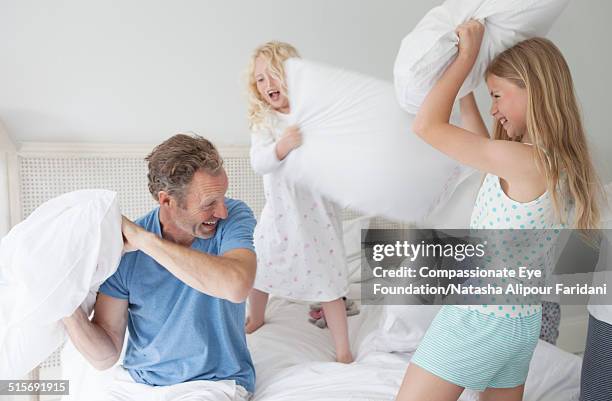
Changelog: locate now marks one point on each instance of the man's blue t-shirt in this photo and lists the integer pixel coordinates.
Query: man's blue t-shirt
(176, 333)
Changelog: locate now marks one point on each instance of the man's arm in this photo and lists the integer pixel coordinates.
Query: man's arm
(229, 276)
(100, 340)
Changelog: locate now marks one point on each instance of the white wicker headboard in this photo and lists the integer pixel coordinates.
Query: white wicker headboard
(42, 171)
(38, 172)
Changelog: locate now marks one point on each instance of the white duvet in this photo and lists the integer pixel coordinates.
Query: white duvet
(294, 362)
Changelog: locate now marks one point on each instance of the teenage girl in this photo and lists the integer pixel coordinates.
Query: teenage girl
(538, 175)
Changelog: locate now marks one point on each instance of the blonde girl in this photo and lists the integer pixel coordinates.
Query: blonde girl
(298, 238)
(538, 175)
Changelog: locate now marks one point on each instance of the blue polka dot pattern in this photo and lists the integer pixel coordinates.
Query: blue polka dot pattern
(493, 209)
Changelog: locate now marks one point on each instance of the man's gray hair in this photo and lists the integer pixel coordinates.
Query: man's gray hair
(173, 163)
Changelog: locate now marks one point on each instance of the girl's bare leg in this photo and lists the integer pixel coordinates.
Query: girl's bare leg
(335, 315)
(421, 385)
(503, 394)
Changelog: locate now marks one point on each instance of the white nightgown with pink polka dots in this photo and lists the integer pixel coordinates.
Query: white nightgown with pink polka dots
(298, 237)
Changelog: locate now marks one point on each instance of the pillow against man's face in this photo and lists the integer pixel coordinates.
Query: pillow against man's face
(66, 248)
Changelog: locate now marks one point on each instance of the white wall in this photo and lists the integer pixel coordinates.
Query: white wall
(137, 71)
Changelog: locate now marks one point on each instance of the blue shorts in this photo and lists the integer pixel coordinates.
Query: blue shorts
(476, 351)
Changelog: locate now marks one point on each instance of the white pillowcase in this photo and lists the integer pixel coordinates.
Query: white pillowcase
(427, 50)
(400, 328)
(394, 328)
(457, 211)
(358, 149)
(403, 327)
(49, 264)
(351, 235)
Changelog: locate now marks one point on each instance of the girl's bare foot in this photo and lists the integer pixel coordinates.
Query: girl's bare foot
(344, 358)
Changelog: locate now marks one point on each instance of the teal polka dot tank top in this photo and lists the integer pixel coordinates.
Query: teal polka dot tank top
(494, 210)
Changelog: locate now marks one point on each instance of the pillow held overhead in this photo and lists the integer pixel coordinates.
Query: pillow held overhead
(432, 45)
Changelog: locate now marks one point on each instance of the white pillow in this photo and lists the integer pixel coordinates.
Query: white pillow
(49, 264)
(358, 149)
(554, 374)
(403, 327)
(427, 50)
(399, 328)
(352, 245)
(457, 211)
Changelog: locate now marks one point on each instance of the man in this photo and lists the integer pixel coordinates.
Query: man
(180, 289)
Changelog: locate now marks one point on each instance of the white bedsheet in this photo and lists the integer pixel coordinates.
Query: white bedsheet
(294, 362)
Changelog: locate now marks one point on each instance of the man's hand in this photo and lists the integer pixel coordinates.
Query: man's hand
(229, 276)
(133, 235)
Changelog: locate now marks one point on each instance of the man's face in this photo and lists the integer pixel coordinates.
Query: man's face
(202, 206)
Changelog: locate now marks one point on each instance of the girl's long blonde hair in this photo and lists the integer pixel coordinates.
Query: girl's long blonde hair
(275, 53)
(554, 124)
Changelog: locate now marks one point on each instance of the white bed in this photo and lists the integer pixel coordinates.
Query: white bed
(293, 358)
(294, 361)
